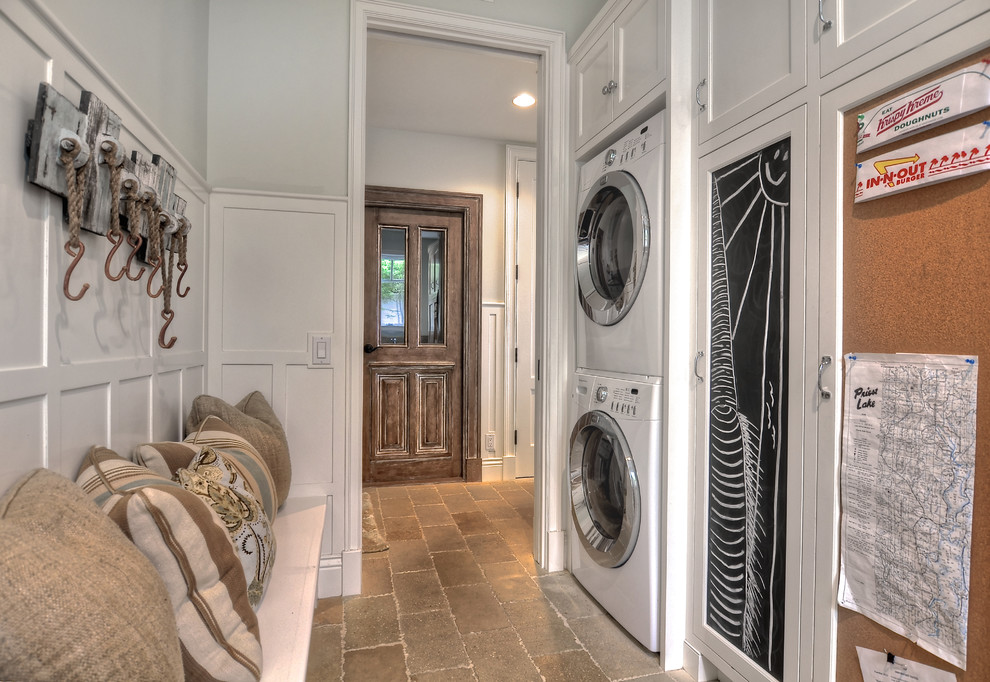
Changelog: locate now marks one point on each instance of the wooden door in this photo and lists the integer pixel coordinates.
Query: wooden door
(413, 330)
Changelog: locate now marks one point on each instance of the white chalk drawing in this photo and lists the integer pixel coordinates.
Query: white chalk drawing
(748, 426)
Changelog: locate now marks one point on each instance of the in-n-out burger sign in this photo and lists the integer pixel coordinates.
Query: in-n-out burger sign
(939, 101)
(914, 106)
(946, 157)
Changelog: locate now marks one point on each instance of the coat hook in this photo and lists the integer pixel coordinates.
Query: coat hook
(168, 317)
(151, 280)
(76, 257)
(181, 267)
(135, 242)
(114, 160)
(116, 241)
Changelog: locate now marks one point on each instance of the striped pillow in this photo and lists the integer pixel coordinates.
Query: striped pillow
(104, 472)
(192, 551)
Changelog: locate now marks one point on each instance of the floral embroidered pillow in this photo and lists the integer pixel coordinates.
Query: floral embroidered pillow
(217, 480)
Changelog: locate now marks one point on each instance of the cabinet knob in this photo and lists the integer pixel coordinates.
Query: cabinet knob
(609, 88)
(697, 94)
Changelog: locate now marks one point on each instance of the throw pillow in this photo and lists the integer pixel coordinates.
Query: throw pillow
(104, 472)
(254, 419)
(216, 478)
(79, 600)
(192, 551)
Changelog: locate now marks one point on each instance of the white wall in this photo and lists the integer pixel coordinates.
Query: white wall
(156, 52)
(90, 372)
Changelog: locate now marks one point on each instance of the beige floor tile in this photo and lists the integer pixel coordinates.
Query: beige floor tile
(497, 509)
(370, 622)
(473, 523)
(418, 592)
(432, 642)
(618, 655)
(402, 528)
(329, 611)
(396, 506)
(511, 582)
(565, 593)
(325, 654)
(483, 491)
(449, 675)
(433, 515)
(376, 575)
(443, 538)
(499, 656)
(457, 568)
(388, 492)
(461, 502)
(424, 494)
(515, 531)
(568, 666)
(446, 489)
(475, 608)
(409, 555)
(382, 664)
(489, 548)
(540, 627)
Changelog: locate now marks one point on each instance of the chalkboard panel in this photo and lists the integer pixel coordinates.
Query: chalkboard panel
(916, 278)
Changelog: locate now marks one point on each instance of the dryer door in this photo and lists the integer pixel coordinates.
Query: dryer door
(613, 247)
(605, 496)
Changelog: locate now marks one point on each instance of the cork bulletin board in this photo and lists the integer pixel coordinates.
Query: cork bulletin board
(916, 279)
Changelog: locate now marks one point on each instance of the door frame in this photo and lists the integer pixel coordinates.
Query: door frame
(554, 317)
(469, 207)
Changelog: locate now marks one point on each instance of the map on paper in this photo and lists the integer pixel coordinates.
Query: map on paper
(908, 460)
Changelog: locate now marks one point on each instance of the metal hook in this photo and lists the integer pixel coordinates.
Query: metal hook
(106, 267)
(168, 317)
(182, 267)
(76, 257)
(135, 242)
(151, 280)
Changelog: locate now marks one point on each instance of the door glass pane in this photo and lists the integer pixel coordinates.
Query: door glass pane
(392, 291)
(432, 290)
(605, 483)
(747, 455)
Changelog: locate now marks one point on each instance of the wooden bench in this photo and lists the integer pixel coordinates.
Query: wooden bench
(285, 617)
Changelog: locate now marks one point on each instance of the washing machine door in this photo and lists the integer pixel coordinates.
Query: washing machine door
(613, 247)
(605, 496)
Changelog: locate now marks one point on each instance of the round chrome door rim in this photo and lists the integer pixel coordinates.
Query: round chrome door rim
(602, 309)
(608, 552)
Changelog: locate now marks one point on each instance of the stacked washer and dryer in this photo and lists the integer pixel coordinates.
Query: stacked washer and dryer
(627, 539)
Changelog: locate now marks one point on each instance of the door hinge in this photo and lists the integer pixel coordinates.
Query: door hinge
(517, 190)
(517, 272)
(537, 370)
(517, 355)
(515, 437)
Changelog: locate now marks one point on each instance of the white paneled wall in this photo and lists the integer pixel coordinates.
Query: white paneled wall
(79, 373)
(280, 273)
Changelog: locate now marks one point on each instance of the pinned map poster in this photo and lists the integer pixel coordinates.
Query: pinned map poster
(946, 157)
(936, 102)
(908, 460)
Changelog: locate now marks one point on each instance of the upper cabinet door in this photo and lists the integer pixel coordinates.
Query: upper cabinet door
(640, 52)
(593, 73)
(858, 27)
(751, 56)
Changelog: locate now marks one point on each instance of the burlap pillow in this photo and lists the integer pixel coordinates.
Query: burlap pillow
(190, 547)
(254, 419)
(78, 600)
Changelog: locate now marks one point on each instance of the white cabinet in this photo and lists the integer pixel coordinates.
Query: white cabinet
(751, 55)
(617, 63)
(857, 27)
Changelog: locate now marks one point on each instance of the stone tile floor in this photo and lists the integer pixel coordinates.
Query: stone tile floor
(457, 596)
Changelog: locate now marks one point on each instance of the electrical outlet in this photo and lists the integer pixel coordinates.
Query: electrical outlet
(490, 441)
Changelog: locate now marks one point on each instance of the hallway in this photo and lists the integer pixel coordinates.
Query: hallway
(457, 596)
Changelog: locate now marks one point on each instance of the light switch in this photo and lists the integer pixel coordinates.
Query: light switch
(319, 349)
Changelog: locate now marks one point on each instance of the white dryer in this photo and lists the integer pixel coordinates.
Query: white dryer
(627, 545)
(620, 261)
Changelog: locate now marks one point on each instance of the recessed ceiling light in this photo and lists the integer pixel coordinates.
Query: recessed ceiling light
(524, 100)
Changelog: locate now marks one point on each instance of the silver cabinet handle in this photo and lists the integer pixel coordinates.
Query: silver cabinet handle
(697, 359)
(822, 366)
(697, 94)
(609, 88)
(826, 23)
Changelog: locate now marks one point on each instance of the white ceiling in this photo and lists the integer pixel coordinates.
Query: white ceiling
(430, 86)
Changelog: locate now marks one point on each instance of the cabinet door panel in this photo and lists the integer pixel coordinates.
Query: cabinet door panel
(592, 73)
(858, 27)
(641, 52)
(753, 55)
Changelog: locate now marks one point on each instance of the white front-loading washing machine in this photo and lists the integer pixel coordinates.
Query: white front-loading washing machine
(627, 543)
(620, 260)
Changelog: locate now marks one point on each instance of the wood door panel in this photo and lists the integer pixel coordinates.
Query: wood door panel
(391, 414)
(434, 399)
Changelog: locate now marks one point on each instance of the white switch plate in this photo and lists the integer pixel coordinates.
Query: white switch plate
(319, 350)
